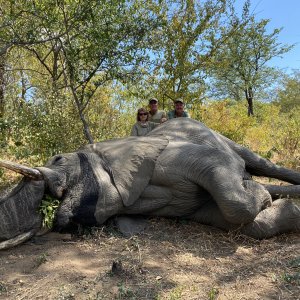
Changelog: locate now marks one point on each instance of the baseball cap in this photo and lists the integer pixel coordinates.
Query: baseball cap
(179, 100)
(153, 100)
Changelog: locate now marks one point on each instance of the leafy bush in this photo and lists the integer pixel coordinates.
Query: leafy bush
(47, 208)
(286, 138)
(270, 133)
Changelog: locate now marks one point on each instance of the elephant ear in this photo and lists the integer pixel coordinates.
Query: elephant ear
(132, 161)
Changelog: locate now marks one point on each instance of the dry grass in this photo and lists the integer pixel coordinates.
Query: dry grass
(171, 260)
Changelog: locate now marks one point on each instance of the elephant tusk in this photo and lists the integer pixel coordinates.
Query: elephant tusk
(21, 238)
(26, 171)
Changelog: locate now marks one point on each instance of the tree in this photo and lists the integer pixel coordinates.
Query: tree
(82, 45)
(242, 59)
(186, 46)
(289, 95)
(2, 84)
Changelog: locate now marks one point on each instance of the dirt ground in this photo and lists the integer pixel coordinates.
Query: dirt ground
(170, 260)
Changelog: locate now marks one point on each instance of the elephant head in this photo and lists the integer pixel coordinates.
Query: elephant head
(92, 185)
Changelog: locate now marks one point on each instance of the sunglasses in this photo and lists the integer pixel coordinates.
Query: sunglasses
(143, 114)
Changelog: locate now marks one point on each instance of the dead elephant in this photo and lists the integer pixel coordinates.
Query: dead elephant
(181, 169)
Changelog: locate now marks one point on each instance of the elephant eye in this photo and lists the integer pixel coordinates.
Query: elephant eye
(59, 159)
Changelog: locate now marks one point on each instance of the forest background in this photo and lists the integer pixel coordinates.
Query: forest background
(75, 72)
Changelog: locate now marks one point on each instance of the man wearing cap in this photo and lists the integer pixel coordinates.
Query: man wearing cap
(155, 115)
(178, 112)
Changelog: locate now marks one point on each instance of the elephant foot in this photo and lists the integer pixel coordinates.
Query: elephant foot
(282, 217)
(262, 196)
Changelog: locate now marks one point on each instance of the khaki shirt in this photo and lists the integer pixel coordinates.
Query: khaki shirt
(139, 129)
(156, 118)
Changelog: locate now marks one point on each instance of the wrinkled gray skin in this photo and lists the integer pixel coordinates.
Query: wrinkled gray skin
(181, 169)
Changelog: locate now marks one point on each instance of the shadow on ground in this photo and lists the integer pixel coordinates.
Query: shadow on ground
(170, 260)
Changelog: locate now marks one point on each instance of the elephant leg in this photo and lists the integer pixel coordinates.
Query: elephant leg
(222, 175)
(242, 200)
(210, 214)
(280, 191)
(282, 217)
(256, 165)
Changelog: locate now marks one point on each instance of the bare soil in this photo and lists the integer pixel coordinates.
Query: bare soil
(170, 260)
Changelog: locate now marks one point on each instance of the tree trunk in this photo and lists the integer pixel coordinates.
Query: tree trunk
(80, 106)
(2, 84)
(86, 128)
(249, 97)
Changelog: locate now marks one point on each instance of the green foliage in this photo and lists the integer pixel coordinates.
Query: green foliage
(289, 95)
(85, 65)
(286, 137)
(47, 208)
(291, 278)
(213, 293)
(225, 117)
(272, 134)
(71, 48)
(41, 259)
(240, 68)
(43, 128)
(2, 288)
(295, 263)
(176, 293)
(124, 292)
(185, 47)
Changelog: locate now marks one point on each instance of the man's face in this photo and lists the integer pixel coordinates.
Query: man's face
(153, 106)
(179, 107)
